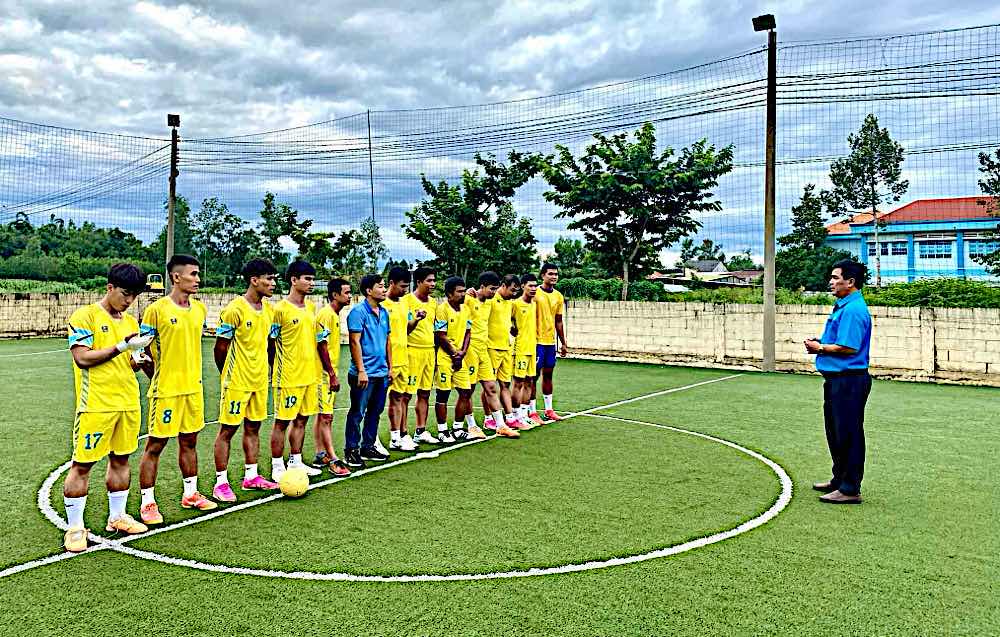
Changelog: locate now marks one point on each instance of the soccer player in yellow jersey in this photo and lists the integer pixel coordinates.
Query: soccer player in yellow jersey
(338, 296)
(524, 314)
(420, 351)
(550, 325)
(498, 340)
(400, 321)
(478, 360)
(241, 356)
(295, 374)
(176, 402)
(107, 401)
(452, 332)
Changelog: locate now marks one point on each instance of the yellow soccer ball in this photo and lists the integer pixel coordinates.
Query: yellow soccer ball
(294, 483)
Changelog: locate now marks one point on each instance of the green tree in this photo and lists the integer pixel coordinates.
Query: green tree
(223, 240)
(473, 227)
(183, 233)
(279, 220)
(709, 250)
(804, 261)
(989, 184)
(629, 200)
(372, 247)
(742, 261)
(870, 176)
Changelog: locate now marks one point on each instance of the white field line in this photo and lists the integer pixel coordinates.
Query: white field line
(50, 351)
(45, 506)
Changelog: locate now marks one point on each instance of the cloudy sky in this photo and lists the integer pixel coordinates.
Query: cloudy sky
(241, 67)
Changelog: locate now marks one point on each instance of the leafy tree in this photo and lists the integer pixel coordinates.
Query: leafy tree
(989, 183)
(710, 251)
(629, 200)
(373, 248)
(280, 220)
(742, 261)
(870, 176)
(688, 252)
(183, 233)
(473, 227)
(804, 262)
(224, 241)
(573, 259)
(808, 221)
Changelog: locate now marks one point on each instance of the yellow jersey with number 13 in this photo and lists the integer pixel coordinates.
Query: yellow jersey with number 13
(525, 317)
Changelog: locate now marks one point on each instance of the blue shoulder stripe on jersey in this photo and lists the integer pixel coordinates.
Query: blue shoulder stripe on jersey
(468, 324)
(146, 330)
(440, 326)
(322, 335)
(225, 330)
(81, 336)
(275, 331)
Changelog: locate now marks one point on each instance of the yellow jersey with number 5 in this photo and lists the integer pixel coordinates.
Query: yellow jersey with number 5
(176, 347)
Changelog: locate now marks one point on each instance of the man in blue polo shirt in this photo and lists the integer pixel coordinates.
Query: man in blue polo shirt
(371, 360)
(842, 358)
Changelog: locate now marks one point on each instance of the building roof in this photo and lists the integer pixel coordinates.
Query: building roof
(704, 265)
(942, 209)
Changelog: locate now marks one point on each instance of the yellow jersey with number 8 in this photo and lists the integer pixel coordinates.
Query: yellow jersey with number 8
(328, 329)
(176, 347)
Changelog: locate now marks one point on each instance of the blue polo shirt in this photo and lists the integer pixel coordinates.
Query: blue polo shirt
(849, 325)
(374, 330)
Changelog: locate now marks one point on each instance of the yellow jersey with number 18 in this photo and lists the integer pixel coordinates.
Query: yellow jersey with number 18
(525, 317)
(110, 386)
(423, 334)
(295, 336)
(328, 329)
(247, 329)
(176, 347)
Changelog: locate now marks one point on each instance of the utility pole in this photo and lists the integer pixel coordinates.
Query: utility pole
(173, 121)
(767, 23)
(371, 168)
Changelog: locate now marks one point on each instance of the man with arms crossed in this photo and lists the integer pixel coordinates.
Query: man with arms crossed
(452, 332)
(176, 402)
(338, 295)
(524, 315)
(401, 322)
(107, 401)
(420, 351)
(550, 325)
(241, 355)
(842, 358)
(294, 374)
(499, 347)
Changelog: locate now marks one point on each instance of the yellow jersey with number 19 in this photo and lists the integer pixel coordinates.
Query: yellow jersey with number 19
(176, 347)
(110, 386)
(247, 329)
(295, 336)
(525, 317)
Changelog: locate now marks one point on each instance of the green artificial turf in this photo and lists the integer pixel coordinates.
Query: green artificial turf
(920, 557)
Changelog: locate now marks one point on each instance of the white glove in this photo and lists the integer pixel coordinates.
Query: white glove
(135, 343)
(140, 357)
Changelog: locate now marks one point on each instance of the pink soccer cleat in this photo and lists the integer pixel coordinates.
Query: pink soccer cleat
(552, 415)
(259, 483)
(224, 493)
(535, 417)
(490, 424)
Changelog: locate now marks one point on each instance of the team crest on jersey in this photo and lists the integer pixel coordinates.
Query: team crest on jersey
(104, 328)
(295, 321)
(173, 321)
(249, 323)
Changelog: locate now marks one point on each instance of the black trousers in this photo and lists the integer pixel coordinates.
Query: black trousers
(844, 399)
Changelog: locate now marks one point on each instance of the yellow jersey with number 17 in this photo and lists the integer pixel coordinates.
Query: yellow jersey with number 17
(176, 347)
(550, 305)
(110, 386)
(247, 329)
(525, 317)
(295, 337)
(328, 329)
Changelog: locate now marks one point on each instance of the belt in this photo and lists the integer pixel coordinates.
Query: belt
(846, 372)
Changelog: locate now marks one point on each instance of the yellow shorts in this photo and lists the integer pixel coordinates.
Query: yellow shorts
(400, 379)
(292, 402)
(447, 378)
(326, 400)
(419, 369)
(524, 366)
(172, 415)
(237, 405)
(479, 363)
(503, 364)
(98, 433)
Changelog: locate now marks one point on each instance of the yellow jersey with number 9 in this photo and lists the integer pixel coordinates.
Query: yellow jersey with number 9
(295, 336)
(110, 386)
(247, 329)
(176, 347)
(479, 313)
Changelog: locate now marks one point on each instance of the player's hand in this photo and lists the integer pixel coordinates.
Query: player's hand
(134, 342)
(563, 350)
(362, 379)
(334, 383)
(140, 357)
(471, 292)
(813, 346)
(421, 315)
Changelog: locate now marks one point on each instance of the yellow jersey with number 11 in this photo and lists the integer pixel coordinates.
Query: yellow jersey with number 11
(247, 329)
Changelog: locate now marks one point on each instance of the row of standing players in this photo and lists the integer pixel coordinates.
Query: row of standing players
(295, 348)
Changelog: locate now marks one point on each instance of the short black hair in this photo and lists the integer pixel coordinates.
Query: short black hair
(453, 282)
(128, 277)
(257, 267)
(333, 287)
(511, 281)
(399, 274)
(422, 273)
(850, 269)
(548, 266)
(369, 281)
(299, 268)
(489, 278)
(181, 259)
(528, 276)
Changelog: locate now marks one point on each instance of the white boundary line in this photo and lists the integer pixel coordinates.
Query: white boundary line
(50, 351)
(44, 505)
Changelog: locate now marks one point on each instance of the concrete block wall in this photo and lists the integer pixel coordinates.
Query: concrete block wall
(928, 344)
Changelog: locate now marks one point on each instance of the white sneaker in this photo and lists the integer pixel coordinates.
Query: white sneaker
(378, 447)
(460, 435)
(276, 475)
(445, 438)
(427, 438)
(407, 444)
(312, 472)
(396, 445)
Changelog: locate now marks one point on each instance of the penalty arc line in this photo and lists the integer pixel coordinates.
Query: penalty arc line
(45, 506)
